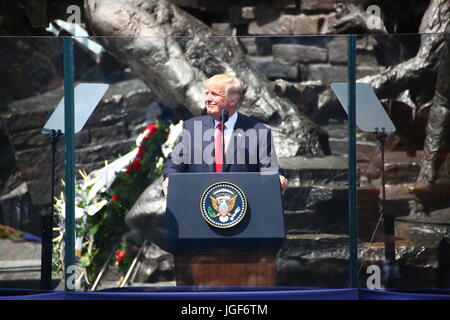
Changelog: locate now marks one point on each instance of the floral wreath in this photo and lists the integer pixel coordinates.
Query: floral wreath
(104, 197)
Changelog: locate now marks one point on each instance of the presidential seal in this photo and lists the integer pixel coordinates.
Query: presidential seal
(223, 205)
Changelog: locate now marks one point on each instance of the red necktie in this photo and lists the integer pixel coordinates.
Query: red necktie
(218, 153)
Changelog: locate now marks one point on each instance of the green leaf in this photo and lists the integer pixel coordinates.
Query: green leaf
(93, 229)
(85, 261)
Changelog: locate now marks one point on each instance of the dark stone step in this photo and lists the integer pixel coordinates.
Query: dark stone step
(306, 246)
(325, 210)
(329, 198)
(300, 221)
(316, 260)
(325, 198)
(303, 171)
(303, 222)
(322, 260)
(339, 146)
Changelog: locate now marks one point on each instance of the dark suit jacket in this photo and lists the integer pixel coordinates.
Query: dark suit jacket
(250, 148)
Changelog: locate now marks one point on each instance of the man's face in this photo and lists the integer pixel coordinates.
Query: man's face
(216, 100)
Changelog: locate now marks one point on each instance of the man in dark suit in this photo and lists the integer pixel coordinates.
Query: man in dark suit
(248, 144)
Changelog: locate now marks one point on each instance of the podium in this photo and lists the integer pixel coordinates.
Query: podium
(224, 229)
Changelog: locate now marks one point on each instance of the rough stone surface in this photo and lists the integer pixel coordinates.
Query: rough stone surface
(221, 29)
(337, 50)
(34, 61)
(273, 69)
(147, 214)
(303, 24)
(304, 94)
(322, 171)
(282, 26)
(189, 61)
(112, 129)
(325, 72)
(248, 13)
(299, 53)
(317, 5)
(249, 45)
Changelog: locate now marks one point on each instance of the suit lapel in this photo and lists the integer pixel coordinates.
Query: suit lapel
(208, 124)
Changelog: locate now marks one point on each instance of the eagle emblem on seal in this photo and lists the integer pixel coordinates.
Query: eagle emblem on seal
(223, 205)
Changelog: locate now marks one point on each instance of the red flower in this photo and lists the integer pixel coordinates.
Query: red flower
(150, 131)
(114, 198)
(136, 165)
(120, 254)
(141, 151)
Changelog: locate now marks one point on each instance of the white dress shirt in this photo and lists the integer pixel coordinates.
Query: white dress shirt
(229, 127)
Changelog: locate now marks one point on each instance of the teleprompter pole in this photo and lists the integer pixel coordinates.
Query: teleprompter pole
(352, 184)
(69, 172)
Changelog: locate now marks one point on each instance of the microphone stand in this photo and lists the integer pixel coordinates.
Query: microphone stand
(390, 267)
(223, 119)
(47, 223)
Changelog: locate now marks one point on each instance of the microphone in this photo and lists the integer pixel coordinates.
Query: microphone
(223, 119)
(224, 116)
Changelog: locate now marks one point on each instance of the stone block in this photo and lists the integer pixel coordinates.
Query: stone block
(337, 50)
(366, 43)
(328, 170)
(315, 245)
(221, 29)
(249, 45)
(274, 69)
(366, 59)
(282, 26)
(300, 221)
(28, 120)
(327, 208)
(29, 139)
(186, 3)
(286, 4)
(264, 45)
(265, 13)
(314, 272)
(305, 94)
(400, 169)
(242, 14)
(103, 134)
(303, 24)
(327, 22)
(317, 5)
(325, 72)
(299, 53)
(362, 71)
(209, 6)
(248, 13)
(107, 151)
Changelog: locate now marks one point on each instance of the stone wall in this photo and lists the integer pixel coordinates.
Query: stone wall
(268, 33)
(124, 111)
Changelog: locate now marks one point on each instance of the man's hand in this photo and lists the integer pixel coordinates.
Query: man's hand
(165, 187)
(283, 183)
